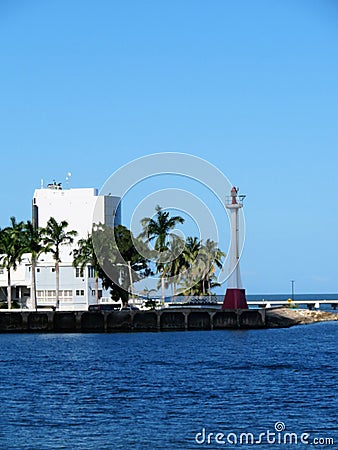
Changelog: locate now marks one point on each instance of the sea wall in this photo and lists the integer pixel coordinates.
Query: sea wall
(130, 321)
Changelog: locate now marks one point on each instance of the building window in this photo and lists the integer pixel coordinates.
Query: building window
(99, 292)
(90, 272)
(38, 270)
(79, 292)
(67, 293)
(79, 272)
(53, 269)
(1, 271)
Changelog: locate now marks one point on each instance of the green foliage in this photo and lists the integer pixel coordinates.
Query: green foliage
(33, 240)
(12, 244)
(85, 254)
(116, 249)
(15, 304)
(158, 230)
(192, 265)
(12, 247)
(189, 265)
(56, 236)
(151, 304)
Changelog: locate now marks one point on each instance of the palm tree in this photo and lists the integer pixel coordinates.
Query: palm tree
(146, 291)
(158, 230)
(12, 247)
(192, 257)
(202, 260)
(176, 265)
(34, 244)
(54, 237)
(212, 257)
(85, 255)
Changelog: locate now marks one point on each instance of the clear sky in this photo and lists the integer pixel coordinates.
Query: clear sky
(250, 86)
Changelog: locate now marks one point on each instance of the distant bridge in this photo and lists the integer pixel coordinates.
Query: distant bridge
(311, 304)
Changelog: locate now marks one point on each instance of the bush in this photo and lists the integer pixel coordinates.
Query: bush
(15, 304)
(151, 304)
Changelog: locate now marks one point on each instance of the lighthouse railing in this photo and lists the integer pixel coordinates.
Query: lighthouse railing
(239, 199)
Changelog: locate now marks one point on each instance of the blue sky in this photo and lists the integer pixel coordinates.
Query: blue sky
(251, 86)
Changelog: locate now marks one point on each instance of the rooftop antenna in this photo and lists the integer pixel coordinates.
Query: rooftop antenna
(68, 178)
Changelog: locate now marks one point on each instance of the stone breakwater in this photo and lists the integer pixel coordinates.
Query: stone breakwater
(286, 317)
(178, 319)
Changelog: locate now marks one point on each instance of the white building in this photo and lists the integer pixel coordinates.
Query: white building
(76, 206)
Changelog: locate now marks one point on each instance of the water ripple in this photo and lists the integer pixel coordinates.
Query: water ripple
(157, 390)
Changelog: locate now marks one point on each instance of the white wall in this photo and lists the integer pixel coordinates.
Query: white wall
(77, 207)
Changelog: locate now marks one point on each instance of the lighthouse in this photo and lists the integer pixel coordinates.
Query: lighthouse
(235, 294)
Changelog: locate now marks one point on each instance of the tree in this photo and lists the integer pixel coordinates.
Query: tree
(151, 304)
(146, 291)
(158, 230)
(85, 255)
(12, 247)
(55, 236)
(33, 237)
(202, 260)
(212, 257)
(192, 257)
(176, 264)
(121, 258)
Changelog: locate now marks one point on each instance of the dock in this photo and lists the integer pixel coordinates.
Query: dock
(167, 319)
(130, 321)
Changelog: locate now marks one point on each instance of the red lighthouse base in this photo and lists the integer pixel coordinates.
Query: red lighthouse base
(235, 299)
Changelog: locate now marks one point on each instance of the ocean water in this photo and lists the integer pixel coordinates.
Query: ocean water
(174, 390)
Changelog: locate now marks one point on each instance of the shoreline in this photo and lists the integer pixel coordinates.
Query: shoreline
(287, 317)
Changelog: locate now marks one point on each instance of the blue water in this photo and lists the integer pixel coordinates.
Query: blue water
(158, 390)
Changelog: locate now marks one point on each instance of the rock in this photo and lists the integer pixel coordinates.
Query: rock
(285, 317)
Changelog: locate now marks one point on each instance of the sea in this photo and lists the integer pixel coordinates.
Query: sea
(268, 388)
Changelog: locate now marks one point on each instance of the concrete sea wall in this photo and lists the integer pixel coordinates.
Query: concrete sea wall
(130, 321)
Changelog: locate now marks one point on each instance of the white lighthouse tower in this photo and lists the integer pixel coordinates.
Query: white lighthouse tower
(235, 294)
